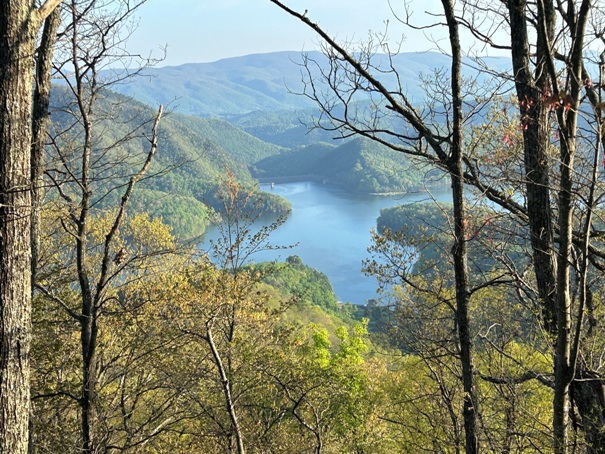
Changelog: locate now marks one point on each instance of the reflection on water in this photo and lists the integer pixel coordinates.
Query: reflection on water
(332, 229)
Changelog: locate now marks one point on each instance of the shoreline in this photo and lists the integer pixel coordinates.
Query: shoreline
(322, 180)
(292, 179)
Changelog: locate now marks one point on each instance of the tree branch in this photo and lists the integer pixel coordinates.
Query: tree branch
(47, 8)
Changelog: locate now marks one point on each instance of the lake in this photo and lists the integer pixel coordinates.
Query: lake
(332, 227)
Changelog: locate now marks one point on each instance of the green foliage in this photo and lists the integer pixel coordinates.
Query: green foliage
(298, 382)
(415, 218)
(261, 202)
(329, 389)
(311, 287)
(189, 350)
(420, 414)
(243, 147)
(187, 216)
(418, 233)
(300, 162)
(286, 128)
(193, 154)
(421, 235)
(131, 350)
(358, 165)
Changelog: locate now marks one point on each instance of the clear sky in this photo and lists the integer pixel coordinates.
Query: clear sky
(210, 30)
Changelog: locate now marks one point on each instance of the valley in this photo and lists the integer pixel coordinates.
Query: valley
(252, 138)
(352, 250)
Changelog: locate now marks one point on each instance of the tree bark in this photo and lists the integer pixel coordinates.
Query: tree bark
(41, 102)
(19, 23)
(460, 249)
(40, 116)
(534, 124)
(588, 395)
(566, 350)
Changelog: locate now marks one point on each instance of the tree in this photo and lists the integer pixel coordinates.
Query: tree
(224, 313)
(356, 76)
(553, 268)
(558, 113)
(19, 24)
(86, 168)
(133, 402)
(550, 96)
(325, 388)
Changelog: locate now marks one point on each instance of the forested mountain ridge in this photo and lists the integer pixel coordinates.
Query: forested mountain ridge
(262, 95)
(286, 128)
(358, 165)
(265, 82)
(194, 154)
(276, 144)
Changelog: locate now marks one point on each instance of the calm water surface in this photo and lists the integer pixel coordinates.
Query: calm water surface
(332, 228)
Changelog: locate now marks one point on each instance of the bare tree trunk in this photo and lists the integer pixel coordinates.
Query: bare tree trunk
(19, 22)
(587, 391)
(566, 349)
(40, 116)
(563, 362)
(88, 315)
(534, 124)
(88, 336)
(226, 386)
(552, 269)
(16, 72)
(460, 250)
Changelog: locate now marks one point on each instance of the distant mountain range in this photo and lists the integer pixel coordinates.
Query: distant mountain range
(267, 82)
(227, 87)
(241, 113)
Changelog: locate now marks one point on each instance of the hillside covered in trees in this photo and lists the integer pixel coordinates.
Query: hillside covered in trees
(119, 335)
(196, 152)
(358, 165)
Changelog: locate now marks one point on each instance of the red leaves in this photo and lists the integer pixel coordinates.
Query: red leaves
(526, 104)
(508, 140)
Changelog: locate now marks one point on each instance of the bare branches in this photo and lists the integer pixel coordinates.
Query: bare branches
(125, 198)
(72, 313)
(392, 103)
(542, 168)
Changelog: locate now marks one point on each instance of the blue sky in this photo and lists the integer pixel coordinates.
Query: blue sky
(209, 30)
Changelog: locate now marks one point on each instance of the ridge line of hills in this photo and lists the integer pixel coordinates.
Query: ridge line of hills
(239, 113)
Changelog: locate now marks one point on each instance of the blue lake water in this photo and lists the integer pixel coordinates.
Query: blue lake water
(332, 229)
